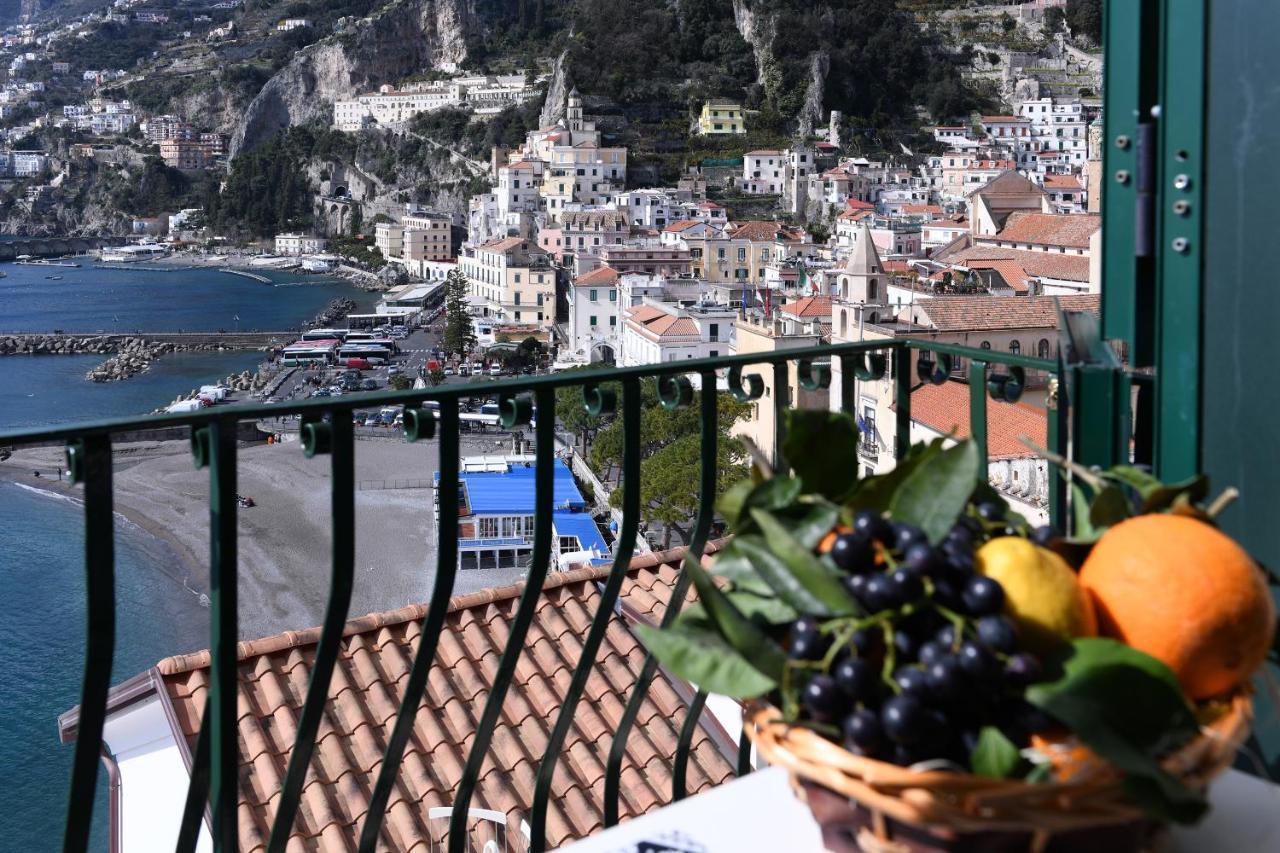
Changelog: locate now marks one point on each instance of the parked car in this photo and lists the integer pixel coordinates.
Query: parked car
(449, 371)
(369, 385)
(371, 421)
(495, 370)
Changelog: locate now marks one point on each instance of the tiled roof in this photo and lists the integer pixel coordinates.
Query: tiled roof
(502, 244)
(599, 275)
(683, 225)
(1050, 229)
(922, 208)
(1010, 270)
(1039, 264)
(990, 313)
(858, 204)
(1003, 119)
(764, 230)
(945, 409)
(710, 205)
(1007, 183)
(368, 682)
(810, 306)
(1062, 182)
(854, 215)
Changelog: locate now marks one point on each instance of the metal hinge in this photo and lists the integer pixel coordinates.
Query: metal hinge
(1144, 214)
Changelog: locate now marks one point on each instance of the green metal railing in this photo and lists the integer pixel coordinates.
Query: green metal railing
(327, 430)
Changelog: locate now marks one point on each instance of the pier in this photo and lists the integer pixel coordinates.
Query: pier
(137, 268)
(246, 274)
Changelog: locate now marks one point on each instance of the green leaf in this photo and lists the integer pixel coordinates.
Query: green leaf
(822, 448)
(1110, 506)
(1128, 708)
(796, 573)
(704, 658)
(994, 756)
(1083, 531)
(1195, 489)
(876, 493)
(936, 492)
(740, 632)
(733, 564)
(734, 498)
(809, 523)
(768, 607)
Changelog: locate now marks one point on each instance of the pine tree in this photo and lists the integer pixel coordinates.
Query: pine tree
(459, 334)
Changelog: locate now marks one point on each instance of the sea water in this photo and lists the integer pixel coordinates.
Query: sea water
(42, 586)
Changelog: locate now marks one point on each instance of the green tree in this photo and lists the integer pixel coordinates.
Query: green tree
(671, 457)
(1085, 19)
(400, 382)
(459, 333)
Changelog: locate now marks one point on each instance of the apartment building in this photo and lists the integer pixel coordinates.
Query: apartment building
(511, 280)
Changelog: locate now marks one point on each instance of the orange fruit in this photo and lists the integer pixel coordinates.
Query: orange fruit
(830, 539)
(1069, 758)
(1185, 593)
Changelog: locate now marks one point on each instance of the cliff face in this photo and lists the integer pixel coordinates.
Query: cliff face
(404, 38)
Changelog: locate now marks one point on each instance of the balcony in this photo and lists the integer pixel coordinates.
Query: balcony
(422, 643)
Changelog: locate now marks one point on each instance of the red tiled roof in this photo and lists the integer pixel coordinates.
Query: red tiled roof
(810, 306)
(683, 225)
(895, 266)
(764, 230)
(1039, 264)
(855, 215)
(599, 275)
(1050, 229)
(945, 410)
(992, 313)
(502, 244)
(858, 204)
(368, 685)
(1010, 270)
(1062, 182)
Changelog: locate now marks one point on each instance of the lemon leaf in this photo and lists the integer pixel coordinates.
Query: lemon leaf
(934, 494)
(994, 756)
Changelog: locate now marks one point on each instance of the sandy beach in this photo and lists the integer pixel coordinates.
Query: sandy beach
(284, 560)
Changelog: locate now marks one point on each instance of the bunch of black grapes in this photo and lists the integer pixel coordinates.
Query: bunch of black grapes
(937, 662)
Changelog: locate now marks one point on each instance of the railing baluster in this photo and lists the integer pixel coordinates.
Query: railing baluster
(978, 412)
(781, 393)
(902, 393)
(1057, 438)
(680, 772)
(544, 488)
(604, 611)
(197, 790)
(89, 462)
(744, 753)
(432, 623)
(697, 545)
(334, 438)
(848, 391)
(224, 748)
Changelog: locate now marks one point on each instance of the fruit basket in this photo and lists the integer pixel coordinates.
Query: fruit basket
(938, 675)
(869, 805)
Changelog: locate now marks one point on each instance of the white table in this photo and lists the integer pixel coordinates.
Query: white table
(759, 813)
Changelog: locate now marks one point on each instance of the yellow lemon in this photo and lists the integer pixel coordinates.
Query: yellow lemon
(1042, 595)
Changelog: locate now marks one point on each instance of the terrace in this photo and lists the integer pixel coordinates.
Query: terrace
(1181, 200)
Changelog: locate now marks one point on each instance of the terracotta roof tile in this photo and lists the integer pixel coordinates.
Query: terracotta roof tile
(1062, 182)
(810, 306)
(367, 687)
(1050, 229)
(1037, 264)
(599, 275)
(945, 409)
(989, 313)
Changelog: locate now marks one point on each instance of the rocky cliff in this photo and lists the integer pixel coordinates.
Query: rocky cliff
(403, 38)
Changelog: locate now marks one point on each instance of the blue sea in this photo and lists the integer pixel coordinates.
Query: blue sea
(42, 601)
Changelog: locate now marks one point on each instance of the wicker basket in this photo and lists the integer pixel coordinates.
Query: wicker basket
(875, 807)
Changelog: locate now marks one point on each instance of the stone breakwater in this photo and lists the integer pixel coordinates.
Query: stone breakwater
(335, 310)
(132, 355)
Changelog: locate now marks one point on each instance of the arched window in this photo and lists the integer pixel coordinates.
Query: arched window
(871, 290)
(1015, 347)
(986, 344)
(1042, 348)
